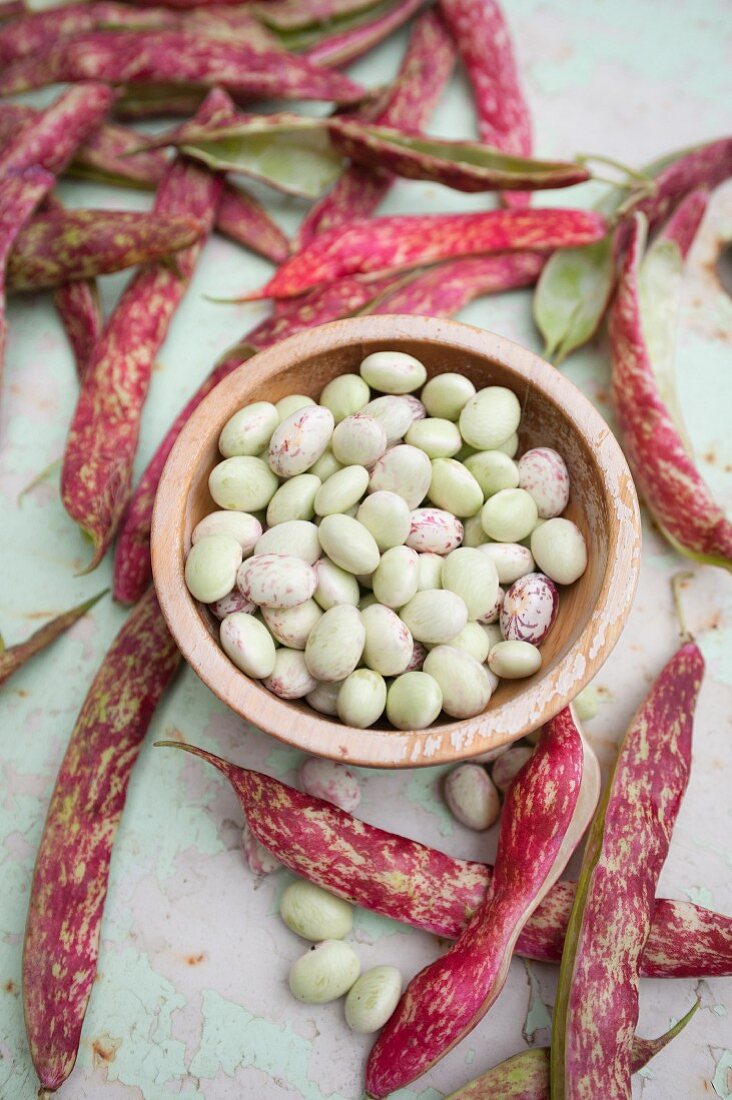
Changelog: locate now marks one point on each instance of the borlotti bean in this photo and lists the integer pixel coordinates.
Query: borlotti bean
(242, 483)
(248, 431)
(389, 646)
(276, 580)
(336, 643)
(396, 576)
(386, 516)
(290, 678)
(434, 531)
(473, 576)
(241, 526)
(404, 470)
(291, 626)
(358, 532)
(393, 372)
(330, 781)
(508, 765)
(295, 499)
(345, 395)
(299, 440)
(297, 538)
(471, 797)
(359, 440)
(394, 414)
(362, 698)
(210, 565)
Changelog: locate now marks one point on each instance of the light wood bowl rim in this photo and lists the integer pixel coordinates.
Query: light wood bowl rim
(545, 694)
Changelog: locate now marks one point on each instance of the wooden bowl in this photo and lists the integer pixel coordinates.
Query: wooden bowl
(592, 612)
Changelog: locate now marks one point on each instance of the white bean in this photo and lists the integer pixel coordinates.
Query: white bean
(389, 645)
(300, 440)
(493, 615)
(362, 698)
(474, 640)
(472, 797)
(335, 585)
(372, 999)
(403, 470)
(493, 470)
(560, 550)
(314, 913)
(509, 515)
(386, 516)
(514, 660)
(413, 701)
(489, 418)
(473, 577)
(344, 395)
(241, 526)
(341, 491)
(359, 440)
(326, 466)
(349, 544)
(466, 688)
(292, 403)
(248, 643)
(430, 571)
(276, 580)
(435, 616)
(508, 765)
(330, 781)
(393, 372)
(297, 538)
(336, 643)
(248, 431)
(290, 678)
(511, 559)
(324, 973)
(291, 626)
(446, 395)
(210, 564)
(396, 576)
(295, 499)
(324, 698)
(473, 533)
(243, 484)
(393, 413)
(437, 438)
(453, 486)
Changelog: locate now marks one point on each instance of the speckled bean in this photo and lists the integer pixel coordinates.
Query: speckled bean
(249, 430)
(529, 609)
(276, 580)
(395, 578)
(345, 395)
(324, 698)
(474, 640)
(297, 538)
(543, 473)
(466, 689)
(231, 602)
(489, 418)
(313, 913)
(393, 413)
(359, 440)
(295, 499)
(493, 470)
(341, 491)
(472, 575)
(291, 403)
(418, 410)
(335, 585)
(437, 438)
(246, 529)
(386, 516)
(242, 483)
(416, 661)
(493, 615)
(389, 645)
(330, 781)
(403, 470)
(349, 544)
(435, 616)
(393, 372)
(324, 973)
(514, 660)
(511, 559)
(413, 701)
(434, 531)
(430, 571)
(446, 395)
(258, 859)
(290, 678)
(560, 550)
(211, 567)
(372, 999)
(362, 698)
(453, 486)
(326, 466)
(509, 515)
(300, 440)
(336, 643)
(471, 797)
(248, 643)
(508, 765)
(291, 626)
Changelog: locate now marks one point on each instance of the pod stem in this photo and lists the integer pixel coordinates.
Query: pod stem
(676, 583)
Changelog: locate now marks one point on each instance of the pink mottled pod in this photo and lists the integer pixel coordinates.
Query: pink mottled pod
(434, 530)
(258, 859)
(529, 609)
(332, 782)
(543, 473)
(508, 765)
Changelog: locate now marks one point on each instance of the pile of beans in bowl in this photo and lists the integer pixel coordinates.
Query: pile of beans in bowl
(385, 550)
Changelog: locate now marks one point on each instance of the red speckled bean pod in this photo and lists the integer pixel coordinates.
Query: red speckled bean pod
(484, 44)
(63, 245)
(141, 58)
(706, 166)
(15, 657)
(596, 1009)
(547, 809)
(683, 225)
(243, 219)
(427, 889)
(38, 29)
(345, 46)
(411, 99)
(664, 472)
(97, 470)
(21, 190)
(443, 290)
(72, 869)
(9, 9)
(382, 245)
(58, 131)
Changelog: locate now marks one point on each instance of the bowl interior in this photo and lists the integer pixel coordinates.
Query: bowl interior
(602, 503)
